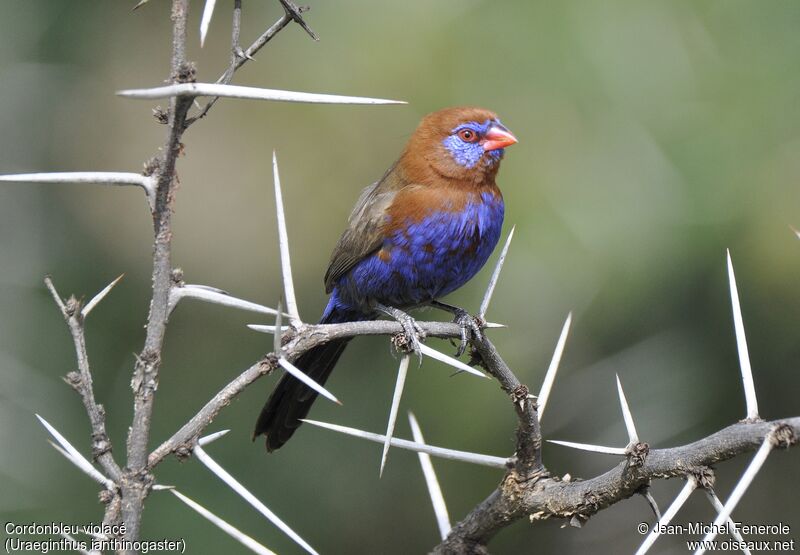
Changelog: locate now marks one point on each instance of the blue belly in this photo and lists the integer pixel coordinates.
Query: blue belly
(426, 259)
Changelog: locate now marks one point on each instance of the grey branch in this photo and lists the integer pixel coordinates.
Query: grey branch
(136, 481)
(298, 342)
(550, 497)
(81, 382)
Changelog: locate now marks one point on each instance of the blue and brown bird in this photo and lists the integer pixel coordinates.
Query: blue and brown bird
(420, 232)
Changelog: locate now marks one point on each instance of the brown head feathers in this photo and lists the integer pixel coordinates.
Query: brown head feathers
(432, 156)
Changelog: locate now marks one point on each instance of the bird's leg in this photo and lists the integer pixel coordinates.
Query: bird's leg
(464, 320)
(411, 329)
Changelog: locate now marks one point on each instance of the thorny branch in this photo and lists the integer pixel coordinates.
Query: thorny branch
(577, 501)
(136, 482)
(81, 381)
(239, 57)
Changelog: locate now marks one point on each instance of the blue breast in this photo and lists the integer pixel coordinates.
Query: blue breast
(427, 259)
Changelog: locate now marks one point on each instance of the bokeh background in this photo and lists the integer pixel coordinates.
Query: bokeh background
(652, 137)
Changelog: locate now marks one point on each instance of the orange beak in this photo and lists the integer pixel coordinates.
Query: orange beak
(497, 137)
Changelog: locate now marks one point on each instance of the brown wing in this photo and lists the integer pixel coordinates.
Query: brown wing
(364, 234)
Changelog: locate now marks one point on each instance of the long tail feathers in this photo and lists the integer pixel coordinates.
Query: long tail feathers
(291, 399)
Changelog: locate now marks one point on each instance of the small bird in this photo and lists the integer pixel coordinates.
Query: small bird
(420, 232)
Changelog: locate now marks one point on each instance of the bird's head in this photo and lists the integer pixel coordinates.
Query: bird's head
(464, 144)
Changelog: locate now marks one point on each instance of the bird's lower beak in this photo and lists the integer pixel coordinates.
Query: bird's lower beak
(498, 137)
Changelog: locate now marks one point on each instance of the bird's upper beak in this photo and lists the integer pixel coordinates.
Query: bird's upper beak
(497, 137)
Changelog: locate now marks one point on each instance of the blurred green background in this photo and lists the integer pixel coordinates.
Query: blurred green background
(653, 135)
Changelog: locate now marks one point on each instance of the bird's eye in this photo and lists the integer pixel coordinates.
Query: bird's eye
(468, 135)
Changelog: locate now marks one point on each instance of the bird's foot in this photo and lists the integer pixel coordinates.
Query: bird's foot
(469, 324)
(407, 340)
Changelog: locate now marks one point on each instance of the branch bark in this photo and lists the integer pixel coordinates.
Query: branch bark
(81, 382)
(136, 481)
(297, 342)
(551, 497)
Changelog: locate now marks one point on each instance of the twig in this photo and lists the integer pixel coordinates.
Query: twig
(82, 380)
(308, 337)
(145, 374)
(528, 463)
(553, 498)
(295, 12)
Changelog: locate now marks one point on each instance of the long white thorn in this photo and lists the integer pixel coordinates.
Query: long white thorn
(590, 447)
(452, 454)
(245, 494)
(717, 504)
(447, 359)
(741, 344)
(303, 377)
(666, 518)
(214, 296)
(550, 376)
(232, 531)
(162, 487)
(283, 243)
(262, 328)
(277, 337)
(741, 487)
(402, 371)
(208, 12)
(205, 440)
(108, 178)
(84, 466)
(74, 456)
(251, 93)
(434, 490)
(633, 437)
(101, 178)
(487, 297)
(99, 297)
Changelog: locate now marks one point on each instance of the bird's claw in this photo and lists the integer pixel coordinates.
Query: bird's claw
(408, 340)
(468, 324)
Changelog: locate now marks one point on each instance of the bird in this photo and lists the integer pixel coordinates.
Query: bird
(418, 233)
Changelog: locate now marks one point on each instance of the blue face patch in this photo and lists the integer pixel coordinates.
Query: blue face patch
(469, 154)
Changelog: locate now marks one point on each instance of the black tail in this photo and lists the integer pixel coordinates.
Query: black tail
(291, 399)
